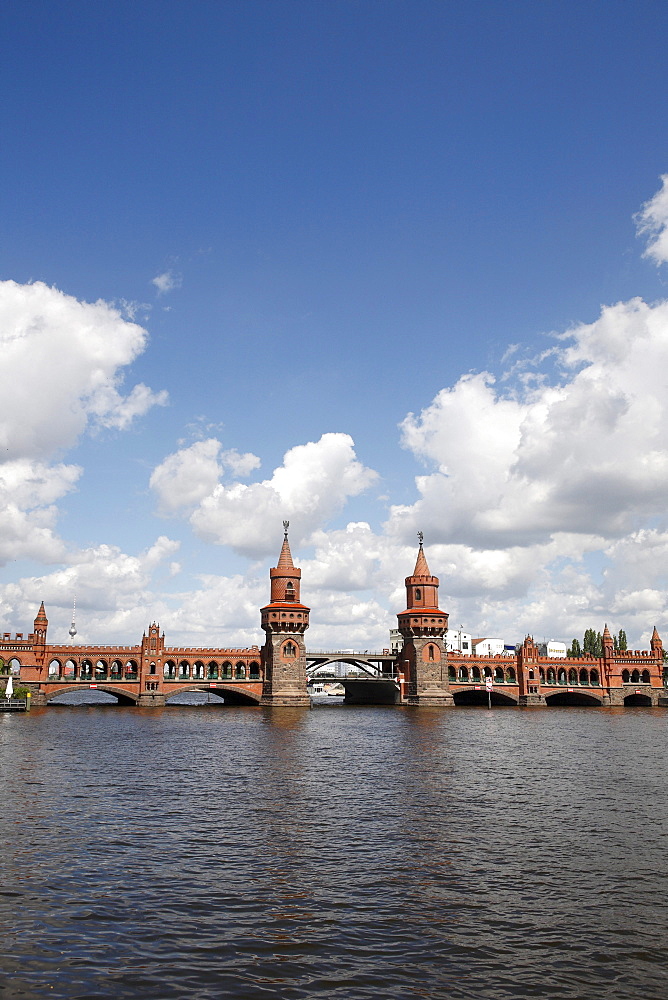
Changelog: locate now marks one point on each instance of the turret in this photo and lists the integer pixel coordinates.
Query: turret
(285, 620)
(422, 615)
(656, 644)
(40, 626)
(285, 612)
(423, 658)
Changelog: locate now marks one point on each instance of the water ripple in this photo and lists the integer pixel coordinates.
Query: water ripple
(343, 852)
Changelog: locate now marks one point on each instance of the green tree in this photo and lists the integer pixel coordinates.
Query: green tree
(622, 640)
(589, 642)
(575, 649)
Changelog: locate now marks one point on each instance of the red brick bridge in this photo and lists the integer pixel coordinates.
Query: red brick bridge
(421, 673)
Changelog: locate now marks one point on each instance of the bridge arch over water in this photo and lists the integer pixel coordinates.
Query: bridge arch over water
(576, 699)
(230, 694)
(638, 700)
(123, 697)
(469, 697)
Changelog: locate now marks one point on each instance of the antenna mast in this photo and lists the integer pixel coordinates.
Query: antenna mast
(73, 628)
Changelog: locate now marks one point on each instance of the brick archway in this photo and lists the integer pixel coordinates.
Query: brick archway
(124, 697)
(231, 693)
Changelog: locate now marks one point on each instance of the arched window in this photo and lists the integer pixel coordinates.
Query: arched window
(635, 676)
(551, 676)
(226, 670)
(431, 652)
(152, 668)
(561, 676)
(213, 671)
(289, 649)
(572, 676)
(255, 671)
(100, 670)
(116, 668)
(593, 677)
(645, 676)
(240, 672)
(463, 674)
(169, 670)
(54, 668)
(511, 675)
(451, 673)
(626, 677)
(498, 675)
(584, 676)
(184, 670)
(418, 594)
(475, 672)
(289, 592)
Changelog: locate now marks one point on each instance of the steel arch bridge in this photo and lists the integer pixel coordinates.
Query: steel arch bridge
(376, 665)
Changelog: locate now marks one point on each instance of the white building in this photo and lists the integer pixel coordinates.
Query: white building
(489, 647)
(396, 640)
(458, 641)
(552, 648)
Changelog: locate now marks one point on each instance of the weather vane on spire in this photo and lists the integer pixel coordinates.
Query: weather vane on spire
(286, 525)
(420, 538)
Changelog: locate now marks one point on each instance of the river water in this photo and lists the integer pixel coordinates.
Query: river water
(336, 852)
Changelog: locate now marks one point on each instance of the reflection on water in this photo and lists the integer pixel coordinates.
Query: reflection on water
(334, 852)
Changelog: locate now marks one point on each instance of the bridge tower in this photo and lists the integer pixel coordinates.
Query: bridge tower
(284, 621)
(40, 627)
(423, 659)
(528, 674)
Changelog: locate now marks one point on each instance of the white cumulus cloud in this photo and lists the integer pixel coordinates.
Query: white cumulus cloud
(62, 366)
(652, 221)
(585, 455)
(311, 485)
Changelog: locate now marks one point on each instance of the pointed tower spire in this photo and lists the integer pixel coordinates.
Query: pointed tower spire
(285, 576)
(421, 568)
(285, 558)
(656, 645)
(41, 625)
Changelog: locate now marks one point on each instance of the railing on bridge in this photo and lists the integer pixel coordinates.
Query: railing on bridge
(372, 654)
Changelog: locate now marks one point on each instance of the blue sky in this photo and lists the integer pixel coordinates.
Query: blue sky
(326, 216)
